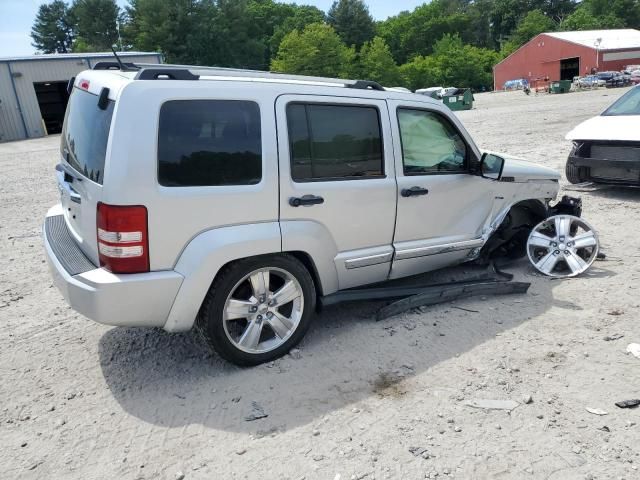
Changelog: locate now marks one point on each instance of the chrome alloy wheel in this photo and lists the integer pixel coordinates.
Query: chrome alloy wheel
(562, 246)
(263, 310)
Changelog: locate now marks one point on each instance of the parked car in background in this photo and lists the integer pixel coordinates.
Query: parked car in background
(635, 77)
(433, 92)
(232, 201)
(613, 79)
(589, 81)
(606, 148)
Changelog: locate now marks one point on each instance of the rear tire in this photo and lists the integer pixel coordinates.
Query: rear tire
(266, 326)
(575, 174)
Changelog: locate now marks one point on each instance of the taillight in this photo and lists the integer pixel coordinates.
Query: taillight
(123, 242)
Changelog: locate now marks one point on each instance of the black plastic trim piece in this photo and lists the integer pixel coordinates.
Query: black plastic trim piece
(365, 85)
(64, 247)
(103, 98)
(115, 66)
(433, 296)
(70, 84)
(166, 74)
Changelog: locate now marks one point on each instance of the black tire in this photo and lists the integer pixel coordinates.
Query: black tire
(575, 174)
(210, 318)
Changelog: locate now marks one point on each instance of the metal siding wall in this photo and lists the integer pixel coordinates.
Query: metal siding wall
(41, 71)
(45, 71)
(10, 123)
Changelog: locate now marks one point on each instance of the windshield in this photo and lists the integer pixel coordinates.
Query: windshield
(628, 104)
(85, 134)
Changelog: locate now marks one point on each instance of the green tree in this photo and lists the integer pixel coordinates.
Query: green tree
(180, 29)
(233, 37)
(317, 50)
(96, 24)
(52, 30)
(420, 72)
(415, 33)
(376, 63)
(533, 23)
(303, 15)
(583, 19)
(352, 21)
(596, 14)
(452, 63)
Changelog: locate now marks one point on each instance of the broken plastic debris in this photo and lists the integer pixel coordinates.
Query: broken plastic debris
(256, 414)
(628, 403)
(634, 349)
(492, 404)
(597, 411)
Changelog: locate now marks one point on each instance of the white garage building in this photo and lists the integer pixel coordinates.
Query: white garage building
(33, 90)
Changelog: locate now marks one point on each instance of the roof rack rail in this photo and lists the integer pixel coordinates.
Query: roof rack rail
(115, 66)
(165, 74)
(365, 85)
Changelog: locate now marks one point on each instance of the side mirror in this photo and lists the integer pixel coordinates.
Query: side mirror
(491, 166)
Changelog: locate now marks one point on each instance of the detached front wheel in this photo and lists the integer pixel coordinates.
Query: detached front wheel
(258, 309)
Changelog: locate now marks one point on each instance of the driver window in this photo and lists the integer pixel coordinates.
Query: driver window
(430, 144)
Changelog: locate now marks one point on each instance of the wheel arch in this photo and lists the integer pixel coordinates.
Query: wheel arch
(205, 256)
(509, 238)
(210, 252)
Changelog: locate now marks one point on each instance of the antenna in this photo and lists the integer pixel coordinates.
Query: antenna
(122, 66)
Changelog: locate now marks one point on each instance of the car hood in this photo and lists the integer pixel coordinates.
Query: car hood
(522, 171)
(604, 127)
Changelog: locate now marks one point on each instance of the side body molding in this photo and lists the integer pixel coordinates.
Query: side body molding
(206, 254)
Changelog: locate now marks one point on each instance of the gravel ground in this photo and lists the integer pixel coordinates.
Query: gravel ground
(359, 399)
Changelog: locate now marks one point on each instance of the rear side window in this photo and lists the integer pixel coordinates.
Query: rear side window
(334, 142)
(85, 134)
(209, 143)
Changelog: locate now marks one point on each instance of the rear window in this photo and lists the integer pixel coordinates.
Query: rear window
(209, 143)
(85, 134)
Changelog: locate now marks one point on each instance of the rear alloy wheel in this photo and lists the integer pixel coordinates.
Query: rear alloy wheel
(563, 246)
(258, 309)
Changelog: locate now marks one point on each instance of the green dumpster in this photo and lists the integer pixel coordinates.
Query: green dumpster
(461, 99)
(560, 86)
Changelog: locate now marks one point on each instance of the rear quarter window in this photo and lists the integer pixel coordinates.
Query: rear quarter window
(209, 143)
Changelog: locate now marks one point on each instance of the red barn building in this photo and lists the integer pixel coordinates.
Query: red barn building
(564, 55)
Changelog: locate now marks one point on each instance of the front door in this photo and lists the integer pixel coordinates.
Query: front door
(337, 185)
(442, 208)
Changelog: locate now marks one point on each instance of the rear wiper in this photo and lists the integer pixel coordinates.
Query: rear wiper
(69, 174)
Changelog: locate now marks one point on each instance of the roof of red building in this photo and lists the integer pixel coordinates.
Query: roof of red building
(601, 39)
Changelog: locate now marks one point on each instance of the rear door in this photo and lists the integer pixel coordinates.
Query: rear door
(83, 148)
(442, 207)
(337, 182)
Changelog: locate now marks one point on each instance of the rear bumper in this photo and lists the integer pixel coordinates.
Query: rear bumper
(625, 172)
(133, 300)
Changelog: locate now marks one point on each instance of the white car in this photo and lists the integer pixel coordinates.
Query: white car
(606, 148)
(234, 200)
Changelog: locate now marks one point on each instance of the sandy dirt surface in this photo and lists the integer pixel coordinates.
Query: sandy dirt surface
(361, 399)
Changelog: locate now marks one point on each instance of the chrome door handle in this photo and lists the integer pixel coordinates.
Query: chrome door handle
(413, 191)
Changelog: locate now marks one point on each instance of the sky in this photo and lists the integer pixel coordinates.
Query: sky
(16, 19)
